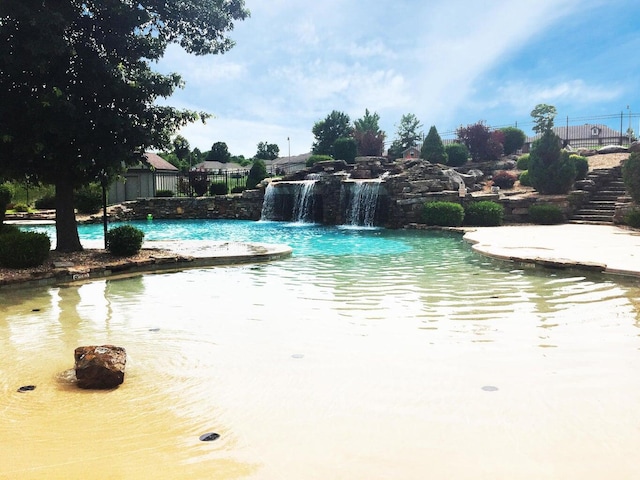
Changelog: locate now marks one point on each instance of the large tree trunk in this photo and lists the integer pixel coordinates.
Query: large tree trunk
(66, 226)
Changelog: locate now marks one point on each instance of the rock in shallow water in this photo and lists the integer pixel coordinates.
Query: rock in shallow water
(100, 367)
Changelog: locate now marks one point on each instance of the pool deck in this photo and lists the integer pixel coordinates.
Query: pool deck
(601, 248)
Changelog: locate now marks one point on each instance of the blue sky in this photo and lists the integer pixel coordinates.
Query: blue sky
(449, 62)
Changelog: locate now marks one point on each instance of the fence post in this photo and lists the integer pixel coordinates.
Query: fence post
(621, 115)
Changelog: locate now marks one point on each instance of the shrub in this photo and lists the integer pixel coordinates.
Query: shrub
(6, 229)
(218, 188)
(257, 173)
(545, 214)
(124, 240)
(514, 139)
(457, 154)
(504, 179)
(23, 249)
(632, 218)
(164, 193)
(345, 148)
(444, 214)
(432, 148)
(48, 202)
(21, 207)
(238, 189)
(483, 214)
(88, 199)
(476, 138)
(523, 162)
(198, 182)
(581, 164)
(313, 159)
(631, 176)
(550, 169)
(525, 181)
(6, 193)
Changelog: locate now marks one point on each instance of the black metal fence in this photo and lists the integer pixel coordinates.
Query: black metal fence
(198, 183)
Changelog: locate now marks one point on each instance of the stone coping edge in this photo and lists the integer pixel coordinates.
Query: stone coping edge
(163, 262)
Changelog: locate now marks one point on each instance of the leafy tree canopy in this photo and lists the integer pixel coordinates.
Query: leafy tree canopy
(267, 151)
(408, 133)
(219, 153)
(543, 117)
(369, 138)
(368, 123)
(78, 92)
(327, 131)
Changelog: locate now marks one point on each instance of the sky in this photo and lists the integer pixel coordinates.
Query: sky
(448, 62)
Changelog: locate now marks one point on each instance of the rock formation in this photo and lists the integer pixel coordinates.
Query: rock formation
(100, 367)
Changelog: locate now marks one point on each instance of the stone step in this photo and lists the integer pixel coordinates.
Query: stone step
(593, 218)
(595, 211)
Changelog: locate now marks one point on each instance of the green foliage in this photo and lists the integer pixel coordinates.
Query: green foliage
(124, 240)
(432, 148)
(514, 139)
(219, 153)
(88, 199)
(543, 117)
(523, 162)
(257, 173)
(164, 193)
(407, 135)
(238, 189)
(345, 148)
(369, 138)
(483, 214)
(631, 176)
(504, 179)
(79, 96)
(524, 178)
(21, 207)
(199, 182)
(457, 154)
(550, 169)
(444, 214)
(218, 188)
(267, 151)
(545, 214)
(336, 125)
(23, 249)
(313, 159)
(581, 164)
(632, 218)
(6, 194)
(47, 202)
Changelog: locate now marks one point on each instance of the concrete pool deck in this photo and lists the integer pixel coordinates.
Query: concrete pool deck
(602, 248)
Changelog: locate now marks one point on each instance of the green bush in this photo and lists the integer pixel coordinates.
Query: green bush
(550, 169)
(257, 173)
(632, 218)
(48, 202)
(457, 154)
(6, 229)
(525, 181)
(345, 148)
(444, 214)
(165, 193)
(582, 166)
(218, 188)
(313, 159)
(504, 179)
(545, 214)
(238, 189)
(6, 194)
(631, 176)
(124, 240)
(483, 214)
(523, 162)
(88, 199)
(23, 249)
(432, 148)
(21, 207)
(514, 139)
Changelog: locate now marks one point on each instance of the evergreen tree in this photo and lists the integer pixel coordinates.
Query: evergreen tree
(432, 148)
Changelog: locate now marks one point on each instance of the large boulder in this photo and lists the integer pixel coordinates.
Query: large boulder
(100, 367)
(612, 149)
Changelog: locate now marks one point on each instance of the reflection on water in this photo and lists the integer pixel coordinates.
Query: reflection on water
(425, 361)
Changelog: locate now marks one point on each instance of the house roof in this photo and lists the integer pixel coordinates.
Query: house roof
(582, 132)
(156, 161)
(209, 165)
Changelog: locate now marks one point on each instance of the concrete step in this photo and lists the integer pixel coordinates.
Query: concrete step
(593, 218)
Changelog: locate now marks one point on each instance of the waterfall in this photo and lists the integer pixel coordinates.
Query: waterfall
(303, 201)
(362, 201)
(269, 203)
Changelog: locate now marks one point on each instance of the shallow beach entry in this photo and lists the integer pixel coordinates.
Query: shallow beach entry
(369, 354)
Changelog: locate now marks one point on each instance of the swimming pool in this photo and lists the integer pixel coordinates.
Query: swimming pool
(368, 354)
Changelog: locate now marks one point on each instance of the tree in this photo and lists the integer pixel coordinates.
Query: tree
(543, 117)
(267, 151)
(219, 153)
(476, 138)
(551, 171)
(369, 138)
(514, 139)
(78, 93)
(257, 173)
(345, 148)
(327, 131)
(432, 148)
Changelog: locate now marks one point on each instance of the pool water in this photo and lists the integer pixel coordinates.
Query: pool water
(368, 354)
